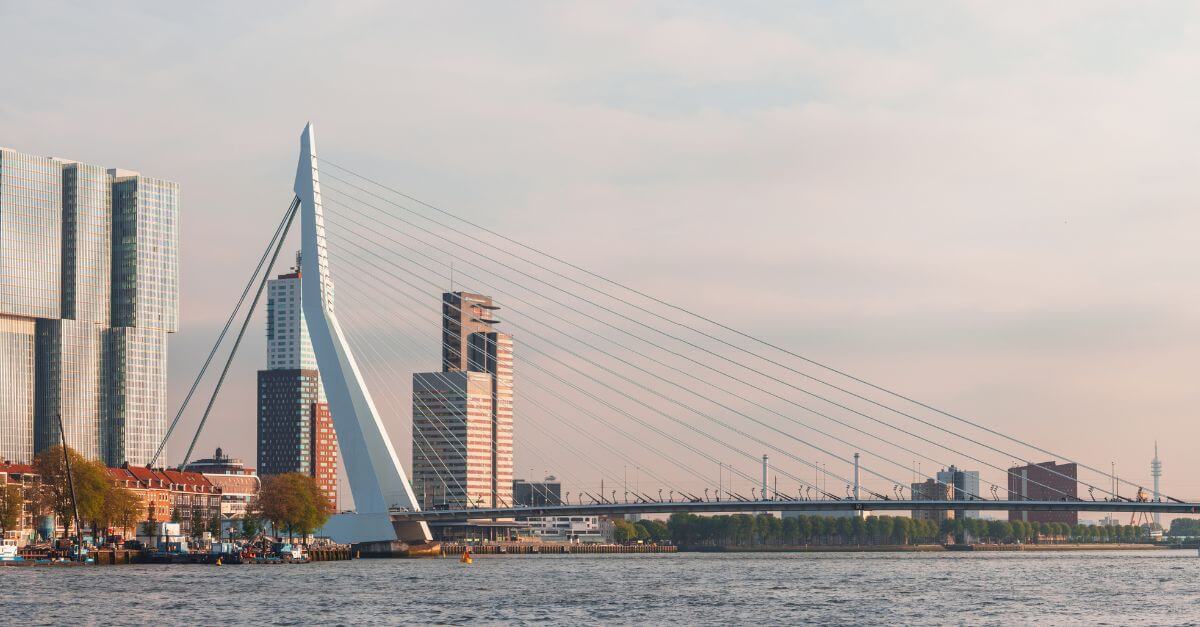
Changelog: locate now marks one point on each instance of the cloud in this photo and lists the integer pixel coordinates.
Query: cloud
(990, 205)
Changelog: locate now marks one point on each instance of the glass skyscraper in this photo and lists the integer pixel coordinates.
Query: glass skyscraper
(89, 283)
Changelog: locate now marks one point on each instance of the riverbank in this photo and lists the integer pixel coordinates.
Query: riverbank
(923, 548)
(454, 550)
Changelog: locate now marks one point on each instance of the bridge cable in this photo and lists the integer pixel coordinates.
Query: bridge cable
(242, 332)
(429, 413)
(669, 417)
(673, 383)
(715, 323)
(935, 426)
(684, 372)
(220, 337)
(533, 400)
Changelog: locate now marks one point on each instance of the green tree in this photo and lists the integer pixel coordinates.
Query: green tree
(294, 502)
(623, 531)
(54, 488)
(122, 508)
(197, 524)
(12, 504)
(251, 525)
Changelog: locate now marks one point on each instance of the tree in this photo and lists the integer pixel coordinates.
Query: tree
(198, 522)
(12, 503)
(121, 508)
(251, 525)
(623, 531)
(54, 490)
(294, 502)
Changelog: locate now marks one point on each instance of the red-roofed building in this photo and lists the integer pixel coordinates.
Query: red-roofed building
(167, 494)
(22, 476)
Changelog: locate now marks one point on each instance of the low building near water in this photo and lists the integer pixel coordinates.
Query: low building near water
(238, 485)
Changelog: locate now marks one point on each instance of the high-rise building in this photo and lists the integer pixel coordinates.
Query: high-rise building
(931, 490)
(295, 428)
(1047, 481)
(966, 488)
(88, 293)
(463, 415)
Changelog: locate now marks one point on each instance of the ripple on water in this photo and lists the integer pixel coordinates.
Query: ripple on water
(1140, 588)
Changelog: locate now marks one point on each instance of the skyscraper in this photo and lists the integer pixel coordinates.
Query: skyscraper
(76, 240)
(966, 488)
(463, 415)
(295, 429)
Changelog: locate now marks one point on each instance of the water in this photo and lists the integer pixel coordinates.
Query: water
(1102, 588)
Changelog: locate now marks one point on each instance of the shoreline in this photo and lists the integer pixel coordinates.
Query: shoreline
(930, 548)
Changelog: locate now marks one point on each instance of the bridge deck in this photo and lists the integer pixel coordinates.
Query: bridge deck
(792, 506)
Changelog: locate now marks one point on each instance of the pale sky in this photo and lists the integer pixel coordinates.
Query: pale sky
(990, 207)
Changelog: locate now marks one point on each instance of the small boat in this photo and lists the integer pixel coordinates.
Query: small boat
(9, 552)
(466, 557)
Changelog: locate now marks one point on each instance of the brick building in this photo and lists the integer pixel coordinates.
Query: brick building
(1047, 481)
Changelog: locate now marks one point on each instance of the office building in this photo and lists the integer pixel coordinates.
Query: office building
(88, 296)
(463, 415)
(1047, 481)
(295, 428)
(966, 488)
(931, 490)
(546, 492)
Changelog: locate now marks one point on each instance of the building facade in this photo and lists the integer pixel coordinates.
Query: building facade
(88, 295)
(237, 485)
(463, 415)
(966, 488)
(295, 428)
(931, 490)
(536, 493)
(1047, 481)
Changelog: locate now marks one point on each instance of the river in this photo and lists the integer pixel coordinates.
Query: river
(1103, 587)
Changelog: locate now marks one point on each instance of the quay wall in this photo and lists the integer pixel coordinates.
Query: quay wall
(555, 549)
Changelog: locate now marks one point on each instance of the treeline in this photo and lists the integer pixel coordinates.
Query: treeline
(691, 530)
(645, 530)
(101, 504)
(977, 530)
(1188, 527)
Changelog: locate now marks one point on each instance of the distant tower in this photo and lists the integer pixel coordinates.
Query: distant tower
(1156, 472)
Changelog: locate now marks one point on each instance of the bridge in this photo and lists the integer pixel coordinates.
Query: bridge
(844, 505)
(610, 378)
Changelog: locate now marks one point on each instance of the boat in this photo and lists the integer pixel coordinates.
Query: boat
(466, 557)
(291, 553)
(9, 551)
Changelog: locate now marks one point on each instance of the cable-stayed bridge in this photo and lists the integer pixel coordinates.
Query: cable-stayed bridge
(608, 379)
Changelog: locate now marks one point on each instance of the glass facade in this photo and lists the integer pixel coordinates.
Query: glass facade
(87, 243)
(70, 383)
(145, 269)
(89, 281)
(30, 235)
(138, 394)
(17, 377)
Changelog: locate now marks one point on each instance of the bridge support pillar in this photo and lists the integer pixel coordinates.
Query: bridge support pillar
(377, 480)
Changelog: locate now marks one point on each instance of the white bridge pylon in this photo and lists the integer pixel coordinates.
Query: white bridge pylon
(377, 480)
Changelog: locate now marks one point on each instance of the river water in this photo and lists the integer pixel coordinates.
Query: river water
(1104, 587)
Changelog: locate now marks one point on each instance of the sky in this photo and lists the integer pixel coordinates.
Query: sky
(988, 206)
